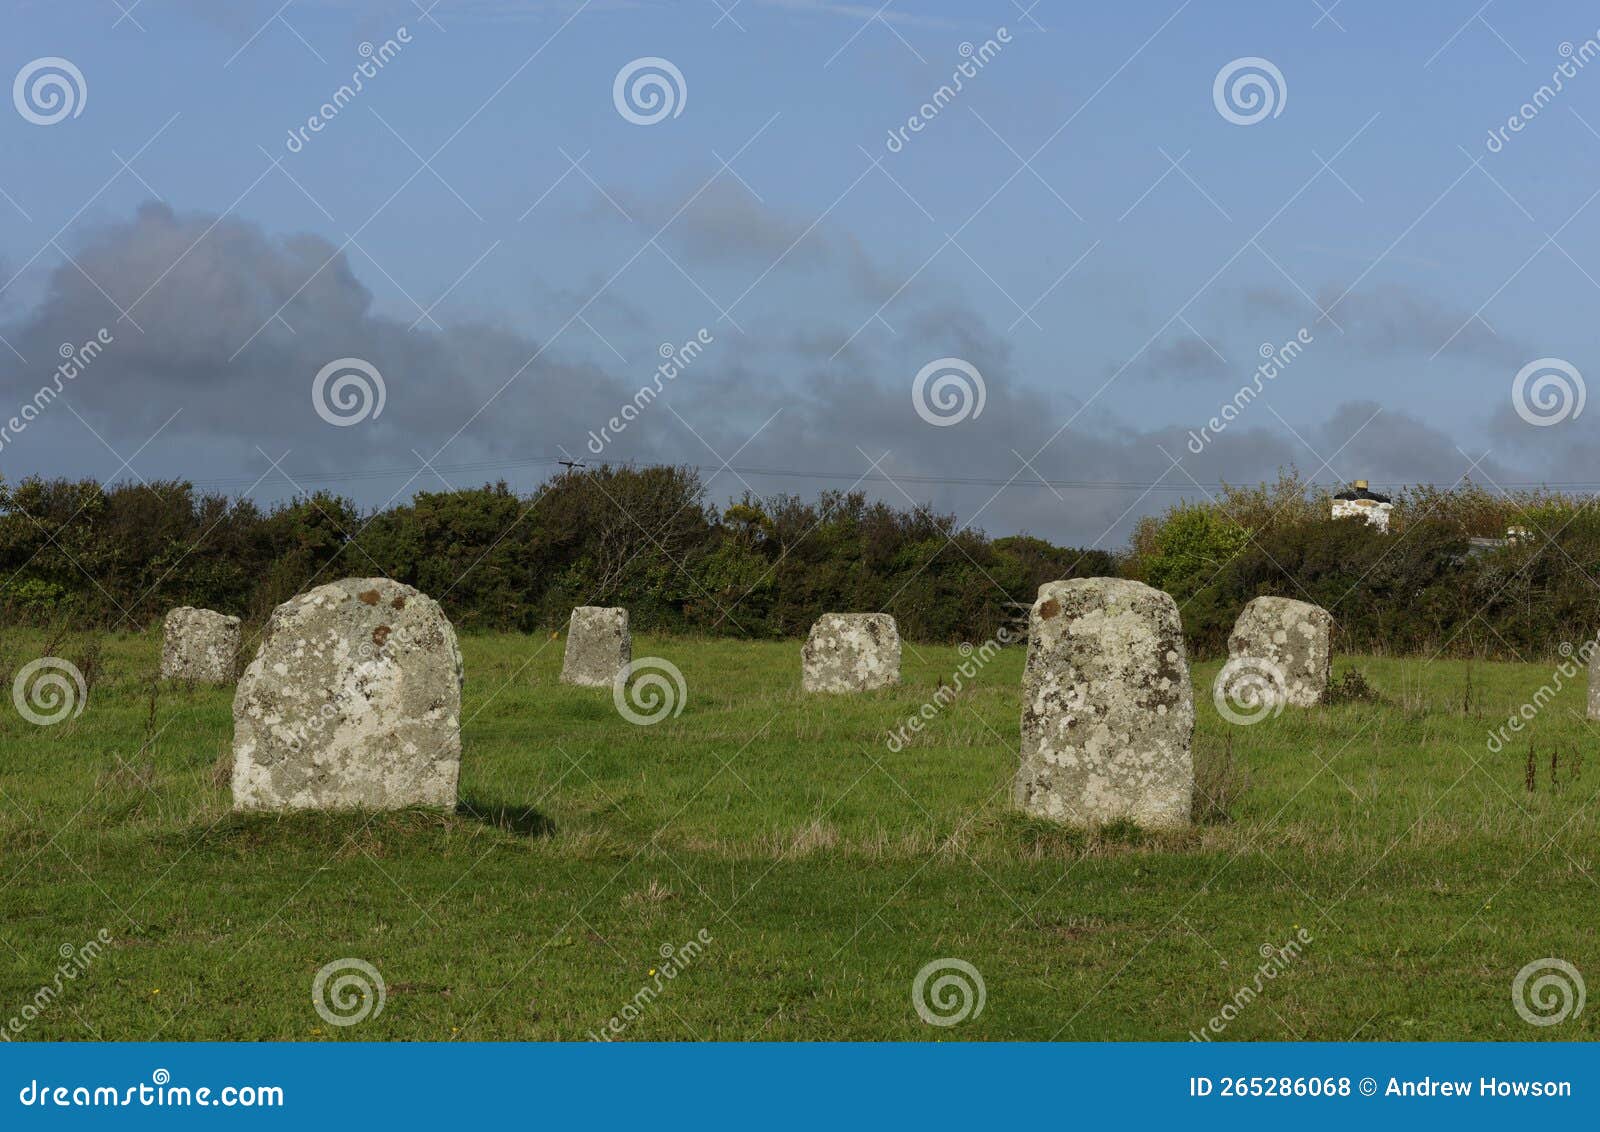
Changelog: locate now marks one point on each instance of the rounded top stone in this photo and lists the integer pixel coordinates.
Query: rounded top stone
(1283, 611)
(1088, 593)
(855, 619)
(380, 607)
(368, 591)
(1269, 603)
(194, 613)
(353, 699)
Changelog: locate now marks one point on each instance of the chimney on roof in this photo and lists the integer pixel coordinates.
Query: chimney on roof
(1360, 502)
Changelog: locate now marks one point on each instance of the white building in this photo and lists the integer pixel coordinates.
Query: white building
(1360, 503)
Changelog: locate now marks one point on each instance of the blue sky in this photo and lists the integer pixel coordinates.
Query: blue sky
(1080, 224)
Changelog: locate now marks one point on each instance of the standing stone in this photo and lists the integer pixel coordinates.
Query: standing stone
(354, 700)
(200, 645)
(1107, 708)
(851, 652)
(1291, 636)
(598, 646)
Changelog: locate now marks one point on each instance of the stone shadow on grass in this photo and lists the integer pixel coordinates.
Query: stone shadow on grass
(524, 821)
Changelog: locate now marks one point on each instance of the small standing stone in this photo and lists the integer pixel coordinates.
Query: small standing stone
(851, 652)
(1107, 707)
(353, 701)
(200, 645)
(598, 646)
(1291, 636)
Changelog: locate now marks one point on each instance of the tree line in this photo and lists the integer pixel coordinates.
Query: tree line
(119, 556)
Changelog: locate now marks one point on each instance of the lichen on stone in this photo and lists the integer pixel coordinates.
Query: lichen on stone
(1108, 710)
(851, 652)
(599, 646)
(350, 705)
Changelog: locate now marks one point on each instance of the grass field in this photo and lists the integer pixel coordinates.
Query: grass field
(825, 869)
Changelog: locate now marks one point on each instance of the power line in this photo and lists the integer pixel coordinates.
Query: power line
(485, 467)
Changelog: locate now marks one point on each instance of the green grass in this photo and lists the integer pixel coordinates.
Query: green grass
(826, 869)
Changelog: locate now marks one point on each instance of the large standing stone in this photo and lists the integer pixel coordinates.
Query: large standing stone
(1107, 708)
(200, 645)
(851, 652)
(354, 700)
(1293, 638)
(598, 646)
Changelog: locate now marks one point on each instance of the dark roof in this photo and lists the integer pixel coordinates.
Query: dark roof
(1362, 493)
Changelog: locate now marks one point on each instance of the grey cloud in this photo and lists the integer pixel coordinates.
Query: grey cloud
(1394, 322)
(1181, 357)
(834, 415)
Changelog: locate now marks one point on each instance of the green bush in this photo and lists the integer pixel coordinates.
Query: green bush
(81, 553)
